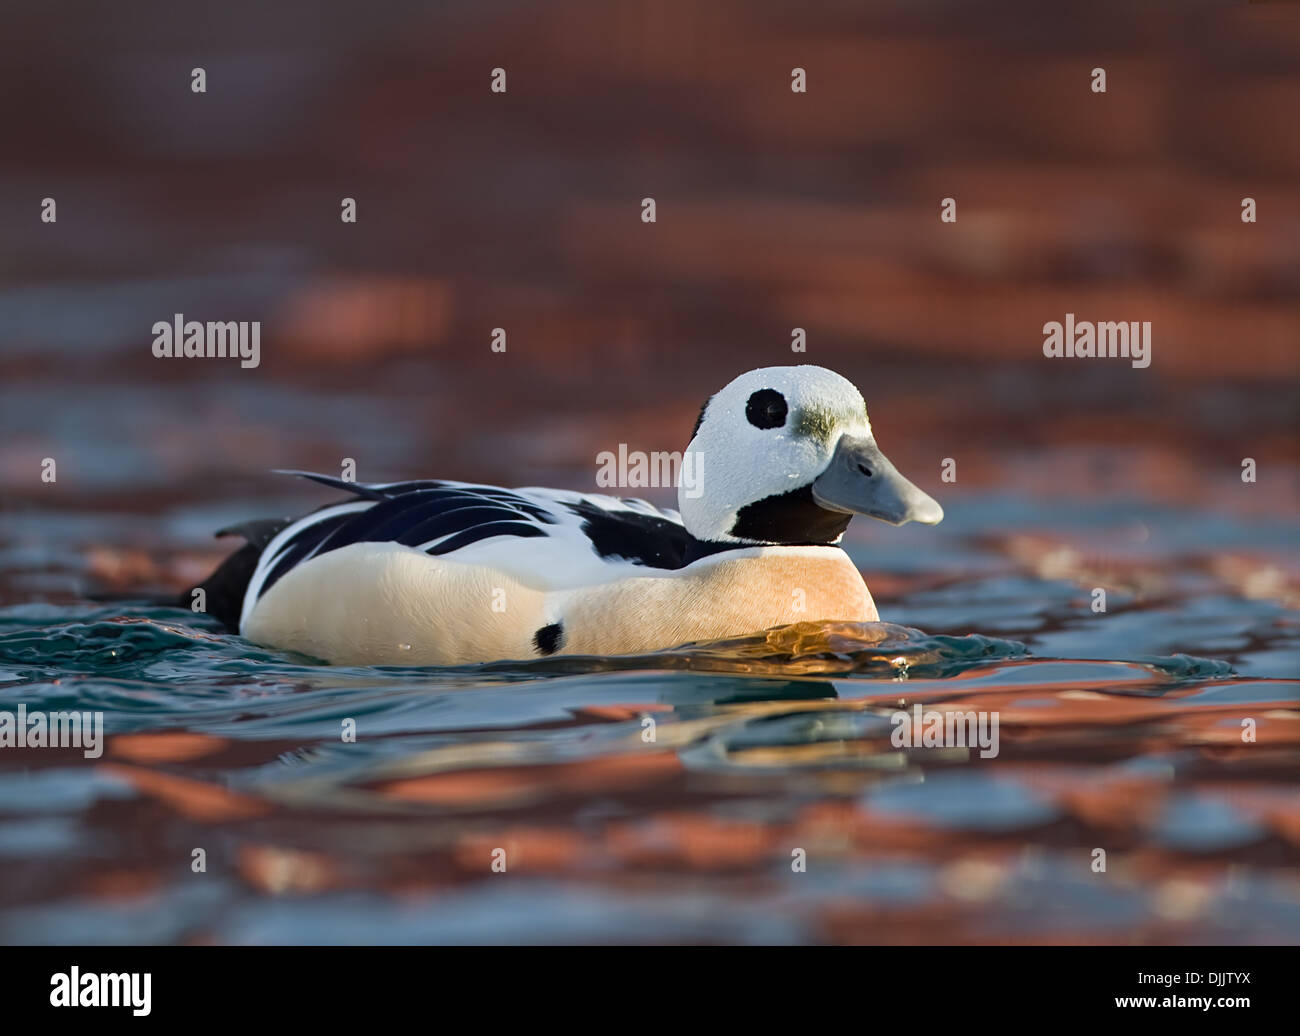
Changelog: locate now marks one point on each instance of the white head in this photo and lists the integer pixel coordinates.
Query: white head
(786, 455)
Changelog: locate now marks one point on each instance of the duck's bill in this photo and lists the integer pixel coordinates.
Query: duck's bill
(861, 480)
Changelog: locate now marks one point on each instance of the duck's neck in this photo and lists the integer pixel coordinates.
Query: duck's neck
(793, 518)
(787, 520)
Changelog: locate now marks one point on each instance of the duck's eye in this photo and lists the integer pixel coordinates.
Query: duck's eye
(766, 409)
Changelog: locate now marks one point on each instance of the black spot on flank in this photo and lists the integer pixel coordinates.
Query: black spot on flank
(766, 408)
(548, 639)
(793, 518)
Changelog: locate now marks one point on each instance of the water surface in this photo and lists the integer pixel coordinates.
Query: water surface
(1119, 731)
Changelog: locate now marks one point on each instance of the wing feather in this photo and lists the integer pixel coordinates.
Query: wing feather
(588, 538)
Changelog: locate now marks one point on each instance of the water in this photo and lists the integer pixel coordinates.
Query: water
(1118, 731)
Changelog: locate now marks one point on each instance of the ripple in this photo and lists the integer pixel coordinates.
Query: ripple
(762, 742)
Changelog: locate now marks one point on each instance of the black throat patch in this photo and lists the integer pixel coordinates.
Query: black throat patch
(791, 519)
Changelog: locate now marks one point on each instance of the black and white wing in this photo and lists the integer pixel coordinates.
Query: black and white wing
(574, 539)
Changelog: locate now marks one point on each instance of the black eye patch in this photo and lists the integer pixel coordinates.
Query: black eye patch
(766, 409)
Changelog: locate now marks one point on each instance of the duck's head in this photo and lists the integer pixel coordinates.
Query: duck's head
(786, 455)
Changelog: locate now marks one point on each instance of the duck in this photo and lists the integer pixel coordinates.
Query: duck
(436, 572)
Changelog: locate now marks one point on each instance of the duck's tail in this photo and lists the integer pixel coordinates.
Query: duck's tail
(224, 590)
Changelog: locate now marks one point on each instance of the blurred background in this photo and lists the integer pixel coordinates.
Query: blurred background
(775, 210)
(522, 211)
